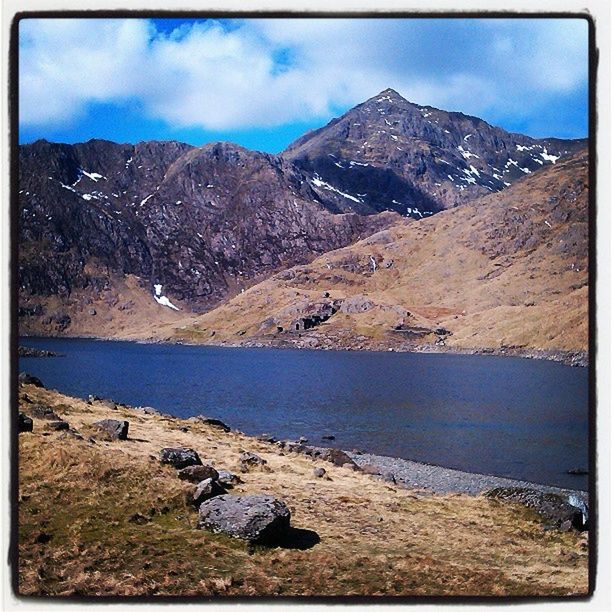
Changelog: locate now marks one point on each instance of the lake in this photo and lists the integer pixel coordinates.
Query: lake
(505, 416)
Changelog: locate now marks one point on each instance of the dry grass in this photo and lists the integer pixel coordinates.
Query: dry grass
(375, 539)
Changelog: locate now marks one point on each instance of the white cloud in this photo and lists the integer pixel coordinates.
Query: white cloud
(229, 76)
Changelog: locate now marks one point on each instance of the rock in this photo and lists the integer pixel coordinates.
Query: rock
(198, 473)
(248, 460)
(115, 429)
(213, 422)
(255, 518)
(319, 472)
(370, 469)
(28, 379)
(337, 457)
(578, 472)
(92, 398)
(264, 437)
(329, 437)
(206, 489)
(553, 508)
(389, 477)
(57, 426)
(180, 457)
(24, 423)
(303, 440)
(355, 304)
(40, 411)
(139, 519)
(227, 479)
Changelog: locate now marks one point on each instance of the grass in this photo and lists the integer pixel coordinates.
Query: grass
(77, 534)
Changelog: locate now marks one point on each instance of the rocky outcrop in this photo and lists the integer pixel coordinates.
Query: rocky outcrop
(117, 430)
(28, 379)
(255, 518)
(554, 508)
(24, 423)
(179, 457)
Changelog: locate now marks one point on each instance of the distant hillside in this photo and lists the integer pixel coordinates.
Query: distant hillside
(508, 270)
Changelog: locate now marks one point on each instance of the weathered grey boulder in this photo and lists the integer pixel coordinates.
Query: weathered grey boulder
(24, 423)
(115, 429)
(179, 457)
(554, 508)
(212, 422)
(198, 473)
(40, 411)
(368, 468)
(337, 457)
(227, 479)
(319, 472)
(28, 379)
(206, 489)
(256, 518)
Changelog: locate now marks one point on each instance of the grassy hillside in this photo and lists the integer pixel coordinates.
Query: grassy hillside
(101, 517)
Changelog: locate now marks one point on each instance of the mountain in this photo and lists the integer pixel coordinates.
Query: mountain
(203, 223)
(391, 154)
(507, 271)
(124, 240)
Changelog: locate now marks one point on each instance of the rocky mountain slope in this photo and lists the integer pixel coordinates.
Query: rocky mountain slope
(507, 271)
(130, 239)
(391, 154)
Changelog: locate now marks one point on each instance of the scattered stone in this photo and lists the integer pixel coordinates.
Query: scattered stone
(28, 351)
(330, 437)
(319, 472)
(40, 411)
(57, 426)
(213, 422)
(93, 398)
(227, 479)
(552, 507)
(389, 477)
(337, 457)
(198, 473)
(92, 311)
(303, 440)
(43, 538)
(264, 437)
(117, 430)
(25, 423)
(255, 518)
(206, 489)
(28, 379)
(248, 460)
(180, 457)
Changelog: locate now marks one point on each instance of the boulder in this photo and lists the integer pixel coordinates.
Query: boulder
(213, 422)
(319, 472)
(370, 469)
(337, 457)
(198, 473)
(227, 479)
(179, 457)
(206, 489)
(28, 379)
(255, 518)
(329, 437)
(24, 423)
(248, 460)
(40, 411)
(117, 430)
(554, 508)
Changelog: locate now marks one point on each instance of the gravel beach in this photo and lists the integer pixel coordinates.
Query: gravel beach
(444, 480)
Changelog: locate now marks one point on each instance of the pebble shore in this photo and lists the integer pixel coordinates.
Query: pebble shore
(445, 480)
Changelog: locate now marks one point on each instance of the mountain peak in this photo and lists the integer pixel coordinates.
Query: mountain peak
(389, 95)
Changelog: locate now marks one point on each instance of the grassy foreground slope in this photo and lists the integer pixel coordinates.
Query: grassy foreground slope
(100, 517)
(508, 270)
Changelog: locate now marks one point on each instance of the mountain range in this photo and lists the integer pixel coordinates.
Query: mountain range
(393, 225)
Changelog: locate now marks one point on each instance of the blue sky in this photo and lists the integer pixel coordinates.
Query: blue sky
(264, 82)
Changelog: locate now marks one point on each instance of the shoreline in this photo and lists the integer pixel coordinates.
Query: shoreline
(566, 357)
(443, 480)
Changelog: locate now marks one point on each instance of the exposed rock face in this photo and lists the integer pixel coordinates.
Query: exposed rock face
(553, 508)
(391, 154)
(180, 457)
(117, 430)
(256, 518)
(28, 379)
(200, 223)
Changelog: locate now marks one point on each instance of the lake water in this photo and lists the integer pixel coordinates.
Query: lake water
(504, 416)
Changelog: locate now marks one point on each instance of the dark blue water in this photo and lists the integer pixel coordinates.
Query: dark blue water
(505, 416)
